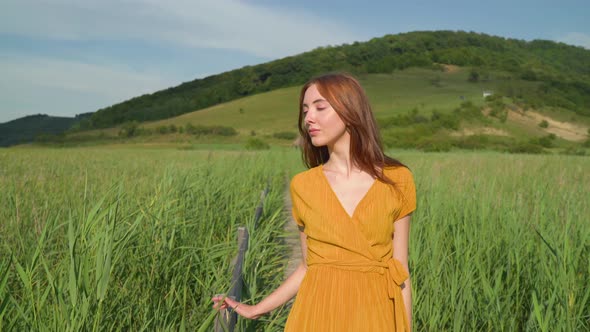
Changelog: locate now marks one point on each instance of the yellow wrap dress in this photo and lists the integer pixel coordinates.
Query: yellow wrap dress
(352, 281)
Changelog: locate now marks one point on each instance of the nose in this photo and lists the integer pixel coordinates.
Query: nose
(309, 118)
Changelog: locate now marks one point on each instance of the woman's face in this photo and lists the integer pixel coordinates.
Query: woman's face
(323, 124)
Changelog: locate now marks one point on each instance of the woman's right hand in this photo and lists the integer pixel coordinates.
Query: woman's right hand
(244, 310)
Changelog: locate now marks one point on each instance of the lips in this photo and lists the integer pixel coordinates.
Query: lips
(313, 131)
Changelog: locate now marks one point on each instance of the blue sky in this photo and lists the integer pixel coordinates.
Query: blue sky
(65, 57)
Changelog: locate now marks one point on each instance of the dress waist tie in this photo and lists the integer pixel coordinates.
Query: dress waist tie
(395, 275)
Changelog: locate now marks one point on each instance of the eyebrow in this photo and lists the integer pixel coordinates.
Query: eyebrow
(315, 101)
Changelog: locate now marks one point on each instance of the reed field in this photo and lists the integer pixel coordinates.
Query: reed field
(131, 240)
(100, 239)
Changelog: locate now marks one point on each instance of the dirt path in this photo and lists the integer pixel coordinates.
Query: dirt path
(450, 68)
(566, 130)
(481, 131)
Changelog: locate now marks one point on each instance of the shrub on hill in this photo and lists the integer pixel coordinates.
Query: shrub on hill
(209, 130)
(254, 143)
(50, 138)
(402, 120)
(473, 76)
(432, 144)
(414, 130)
(472, 142)
(129, 129)
(527, 147)
(143, 131)
(545, 141)
(405, 139)
(468, 111)
(162, 130)
(438, 120)
(67, 140)
(573, 151)
(167, 129)
(497, 107)
(448, 121)
(286, 135)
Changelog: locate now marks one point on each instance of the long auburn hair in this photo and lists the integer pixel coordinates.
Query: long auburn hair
(349, 100)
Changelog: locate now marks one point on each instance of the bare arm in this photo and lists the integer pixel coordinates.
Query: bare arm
(280, 296)
(400, 252)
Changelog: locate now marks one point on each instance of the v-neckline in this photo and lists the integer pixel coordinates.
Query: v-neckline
(351, 217)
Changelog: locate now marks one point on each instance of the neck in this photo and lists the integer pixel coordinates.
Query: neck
(340, 159)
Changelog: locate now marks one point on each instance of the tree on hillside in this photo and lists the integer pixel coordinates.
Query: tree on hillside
(473, 76)
(129, 129)
(563, 68)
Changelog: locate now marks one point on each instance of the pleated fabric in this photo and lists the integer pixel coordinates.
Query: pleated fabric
(352, 281)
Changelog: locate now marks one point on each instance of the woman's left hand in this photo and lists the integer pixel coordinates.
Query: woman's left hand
(244, 310)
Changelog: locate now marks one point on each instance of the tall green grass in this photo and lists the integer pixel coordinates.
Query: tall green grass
(127, 240)
(501, 242)
(101, 239)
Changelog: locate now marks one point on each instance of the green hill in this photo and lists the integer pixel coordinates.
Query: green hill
(429, 109)
(390, 94)
(561, 71)
(426, 87)
(28, 128)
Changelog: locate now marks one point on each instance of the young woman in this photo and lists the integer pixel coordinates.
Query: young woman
(353, 209)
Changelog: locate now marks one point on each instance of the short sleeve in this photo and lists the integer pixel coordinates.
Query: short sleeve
(296, 204)
(408, 191)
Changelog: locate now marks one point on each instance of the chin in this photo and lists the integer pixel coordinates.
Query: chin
(318, 142)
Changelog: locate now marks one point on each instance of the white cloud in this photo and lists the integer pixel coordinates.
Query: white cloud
(77, 77)
(57, 87)
(35, 83)
(576, 38)
(224, 24)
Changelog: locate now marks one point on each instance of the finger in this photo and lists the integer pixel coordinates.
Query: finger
(218, 303)
(234, 305)
(231, 302)
(220, 306)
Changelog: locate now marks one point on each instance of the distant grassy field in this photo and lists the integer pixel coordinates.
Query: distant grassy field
(390, 94)
(412, 90)
(139, 239)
